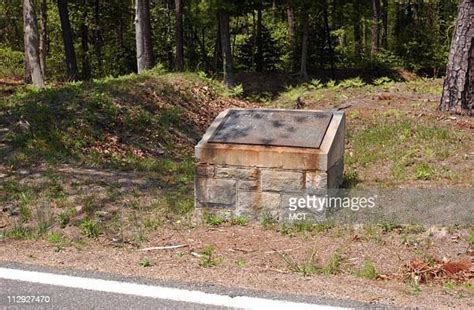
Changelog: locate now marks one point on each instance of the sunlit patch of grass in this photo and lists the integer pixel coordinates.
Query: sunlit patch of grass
(408, 148)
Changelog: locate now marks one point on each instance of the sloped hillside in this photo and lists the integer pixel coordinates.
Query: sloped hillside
(124, 122)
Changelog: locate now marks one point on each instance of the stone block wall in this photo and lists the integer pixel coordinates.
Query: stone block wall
(256, 191)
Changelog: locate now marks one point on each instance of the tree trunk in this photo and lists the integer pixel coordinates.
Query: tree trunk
(357, 29)
(97, 37)
(458, 89)
(304, 43)
(179, 36)
(71, 63)
(259, 43)
(145, 57)
(291, 34)
(43, 38)
(384, 39)
(218, 47)
(375, 27)
(32, 55)
(86, 66)
(226, 49)
(329, 41)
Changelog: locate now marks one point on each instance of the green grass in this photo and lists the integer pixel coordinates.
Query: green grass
(146, 263)
(367, 270)
(333, 266)
(64, 217)
(307, 267)
(268, 221)
(408, 148)
(212, 219)
(208, 258)
(111, 123)
(58, 240)
(470, 239)
(240, 220)
(90, 228)
(20, 232)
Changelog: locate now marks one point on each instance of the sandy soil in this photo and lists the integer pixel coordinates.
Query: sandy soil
(252, 258)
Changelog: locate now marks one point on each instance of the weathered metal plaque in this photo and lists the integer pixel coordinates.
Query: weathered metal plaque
(273, 128)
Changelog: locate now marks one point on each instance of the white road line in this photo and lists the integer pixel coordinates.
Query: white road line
(160, 292)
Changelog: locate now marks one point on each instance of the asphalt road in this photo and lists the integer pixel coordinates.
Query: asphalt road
(70, 289)
(72, 298)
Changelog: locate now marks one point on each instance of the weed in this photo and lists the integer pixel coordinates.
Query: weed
(354, 115)
(367, 270)
(315, 84)
(424, 172)
(207, 257)
(413, 229)
(331, 84)
(139, 236)
(25, 213)
(449, 286)
(350, 179)
(177, 204)
(64, 217)
(333, 266)
(212, 219)
(372, 233)
(241, 262)
(240, 220)
(303, 226)
(469, 287)
(470, 239)
(55, 190)
(20, 232)
(89, 204)
(152, 224)
(352, 83)
(307, 267)
(322, 227)
(55, 238)
(90, 228)
(146, 263)
(235, 92)
(268, 221)
(388, 227)
(414, 287)
(58, 240)
(383, 81)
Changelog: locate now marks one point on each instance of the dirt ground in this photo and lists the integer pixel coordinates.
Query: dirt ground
(253, 258)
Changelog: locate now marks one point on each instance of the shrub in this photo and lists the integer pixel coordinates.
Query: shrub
(11, 62)
(90, 228)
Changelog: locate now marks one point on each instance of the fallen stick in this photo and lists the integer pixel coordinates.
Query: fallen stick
(196, 254)
(167, 247)
(241, 250)
(278, 251)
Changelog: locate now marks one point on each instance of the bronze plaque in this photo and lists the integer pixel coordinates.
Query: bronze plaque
(293, 128)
